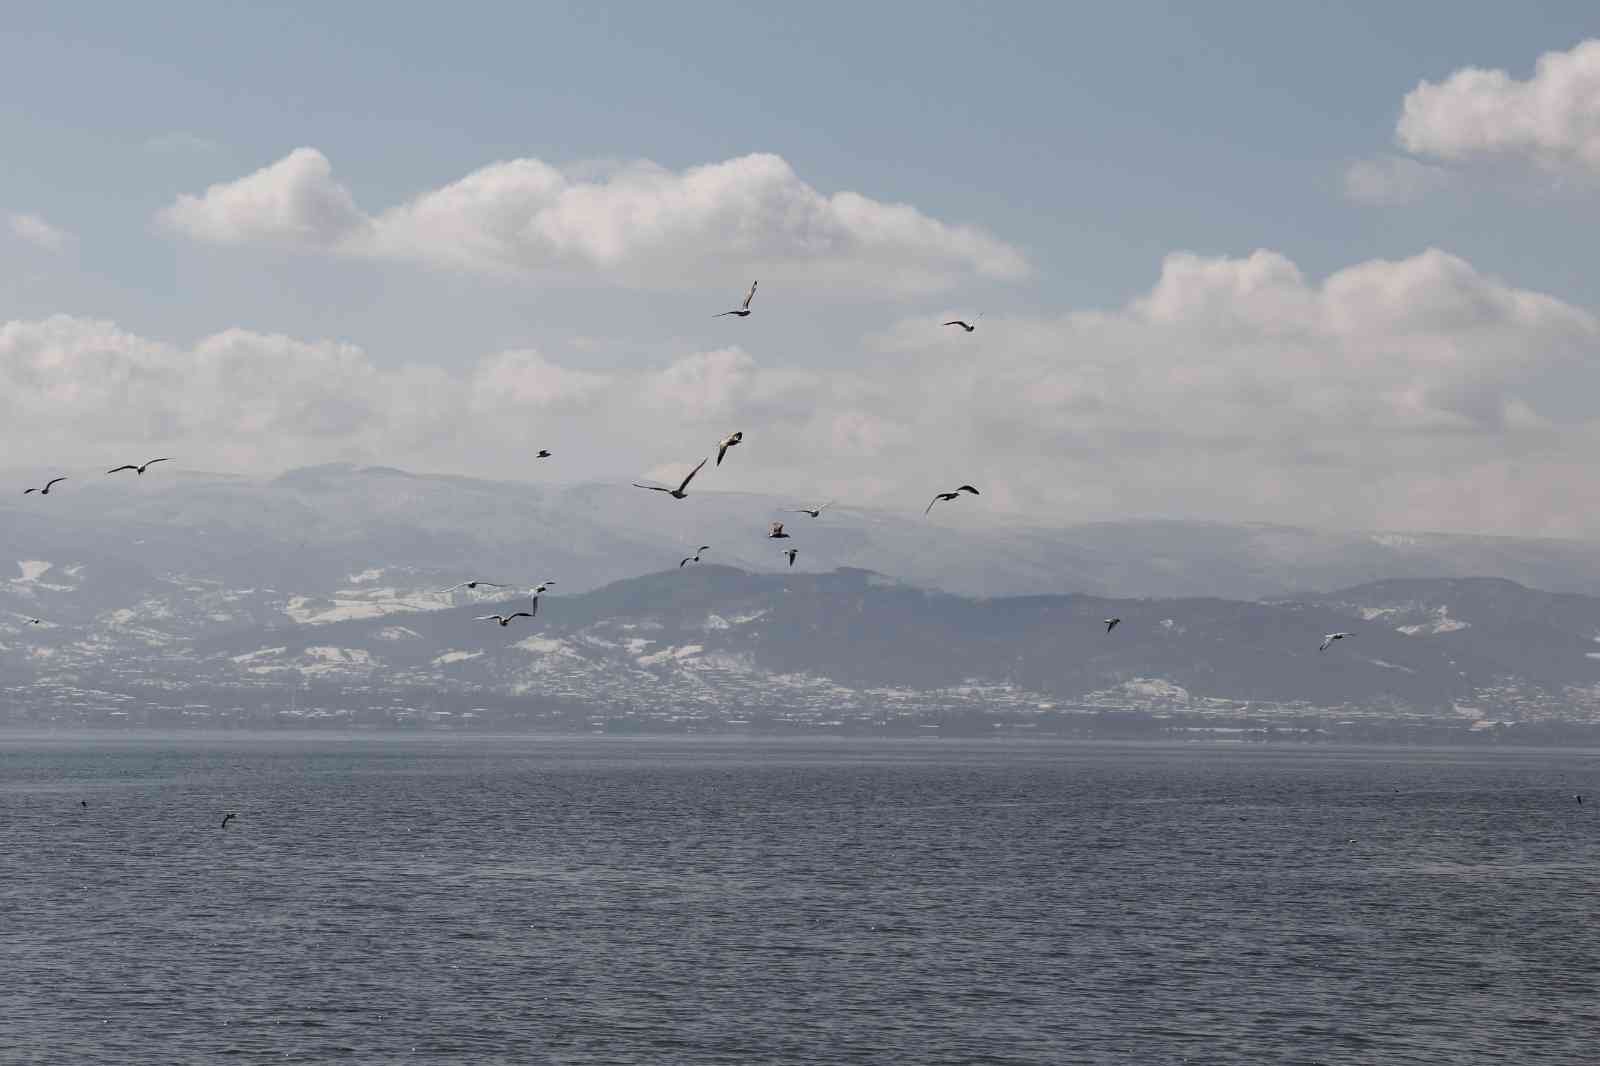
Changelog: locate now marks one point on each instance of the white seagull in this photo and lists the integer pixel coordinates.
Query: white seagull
(505, 619)
(471, 585)
(951, 496)
(46, 490)
(727, 442)
(814, 512)
(137, 468)
(677, 493)
(791, 553)
(1328, 640)
(695, 558)
(775, 532)
(743, 310)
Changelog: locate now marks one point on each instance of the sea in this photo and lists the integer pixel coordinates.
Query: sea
(456, 899)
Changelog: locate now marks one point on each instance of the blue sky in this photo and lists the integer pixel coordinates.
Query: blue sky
(1093, 142)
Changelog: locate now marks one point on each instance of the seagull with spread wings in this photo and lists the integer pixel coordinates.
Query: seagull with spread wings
(1111, 623)
(138, 468)
(728, 442)
(677, 493)
(743, 310)
(471, 585)
(695, 558)
(814, 512)
(791, 553)
(544, 453)
(1327, 641)
(951, 495)
(46, 490)
(505, 619)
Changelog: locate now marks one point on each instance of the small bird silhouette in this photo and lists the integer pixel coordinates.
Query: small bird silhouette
(951, 495)
(505, 619)
(963, 325)
(226, 818)
(1112, 623)
(743, 310)
(728, 442)
(791, 553)
(46, 490)
(544, 453)
(695, 558)
(138, 468)
(679, 492)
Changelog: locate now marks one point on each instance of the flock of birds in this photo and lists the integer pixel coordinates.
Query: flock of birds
(775, 530)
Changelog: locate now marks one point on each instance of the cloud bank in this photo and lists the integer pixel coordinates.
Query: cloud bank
(1417, 393)
(39, 233)
(636, 224)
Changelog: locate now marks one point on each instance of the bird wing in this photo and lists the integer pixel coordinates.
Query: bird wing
(722, 449)
(968, 488)
(692, 473)
(120, 469)
(487, 618)
(492, 585)
(751, 295)
(52, 481)
(702, 548)
(533, 613)
(520, 614)
(957, 322)
(652, 488)
(26, 491)
(685, 560)
(937, 497)
(452, 588)
(153, 462)
(1325, 642)
(725, 314)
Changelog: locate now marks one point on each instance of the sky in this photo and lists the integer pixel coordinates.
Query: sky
(1316, 266)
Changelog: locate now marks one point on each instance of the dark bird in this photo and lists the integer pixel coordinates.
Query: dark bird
(951, 495)
(791, 553)
(695, 558)
(743, 310)
(226, 818)
(963, 325)
(1111, 623)
(137, 468)
(1579, 797)
(505, 619)
(46, 490)
(544, 453)
(543, 586)
(1327, 641)
(677, 493)
(814, 512)
(83, 803)
(776, 532)
(727, 442)
(35, 622)
(471, 585)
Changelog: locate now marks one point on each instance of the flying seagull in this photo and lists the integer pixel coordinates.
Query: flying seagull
(791, 553)
(727, 442)
(137, 468)
(776, 532)
(743, 310)
(543, 586)
(1328, 640)
(951, 496)
(957, 322)
(814, 512)
(1111, 623)
(85, 803)
(677, 493)
(695, 558)
(46, 490)
(544, 453)
(505, 619)
(471, 585)
(228, 817)
(34, 622)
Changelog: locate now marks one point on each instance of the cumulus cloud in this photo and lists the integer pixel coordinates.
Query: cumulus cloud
(1409, 393)
(634, 223)
(39, 233)
(1552, 119)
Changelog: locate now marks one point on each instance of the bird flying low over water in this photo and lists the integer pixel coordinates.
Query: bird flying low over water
(46, 490)
(727, 442)
(791, 553)
(695, 558)
(814, 512)
(743, 310)
(677, 493)
(544, 453)
(775, 532)
(471, 585)
(951, 496)
(1111, 623)
(505, 619)
(963, 325)
(1327, 641)
(228, 817)
(138, 468)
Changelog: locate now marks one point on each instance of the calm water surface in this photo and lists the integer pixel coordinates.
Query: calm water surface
(727, 901)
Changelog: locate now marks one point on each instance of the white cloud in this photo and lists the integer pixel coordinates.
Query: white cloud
(1552, 119)
(634, 223)
(1394, 181)
(1416, 392)
(36, 231)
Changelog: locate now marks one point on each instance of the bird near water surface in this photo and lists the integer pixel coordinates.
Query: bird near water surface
(1327, 640)
(505, 619)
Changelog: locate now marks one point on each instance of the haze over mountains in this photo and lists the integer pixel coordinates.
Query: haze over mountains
(202, 597)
